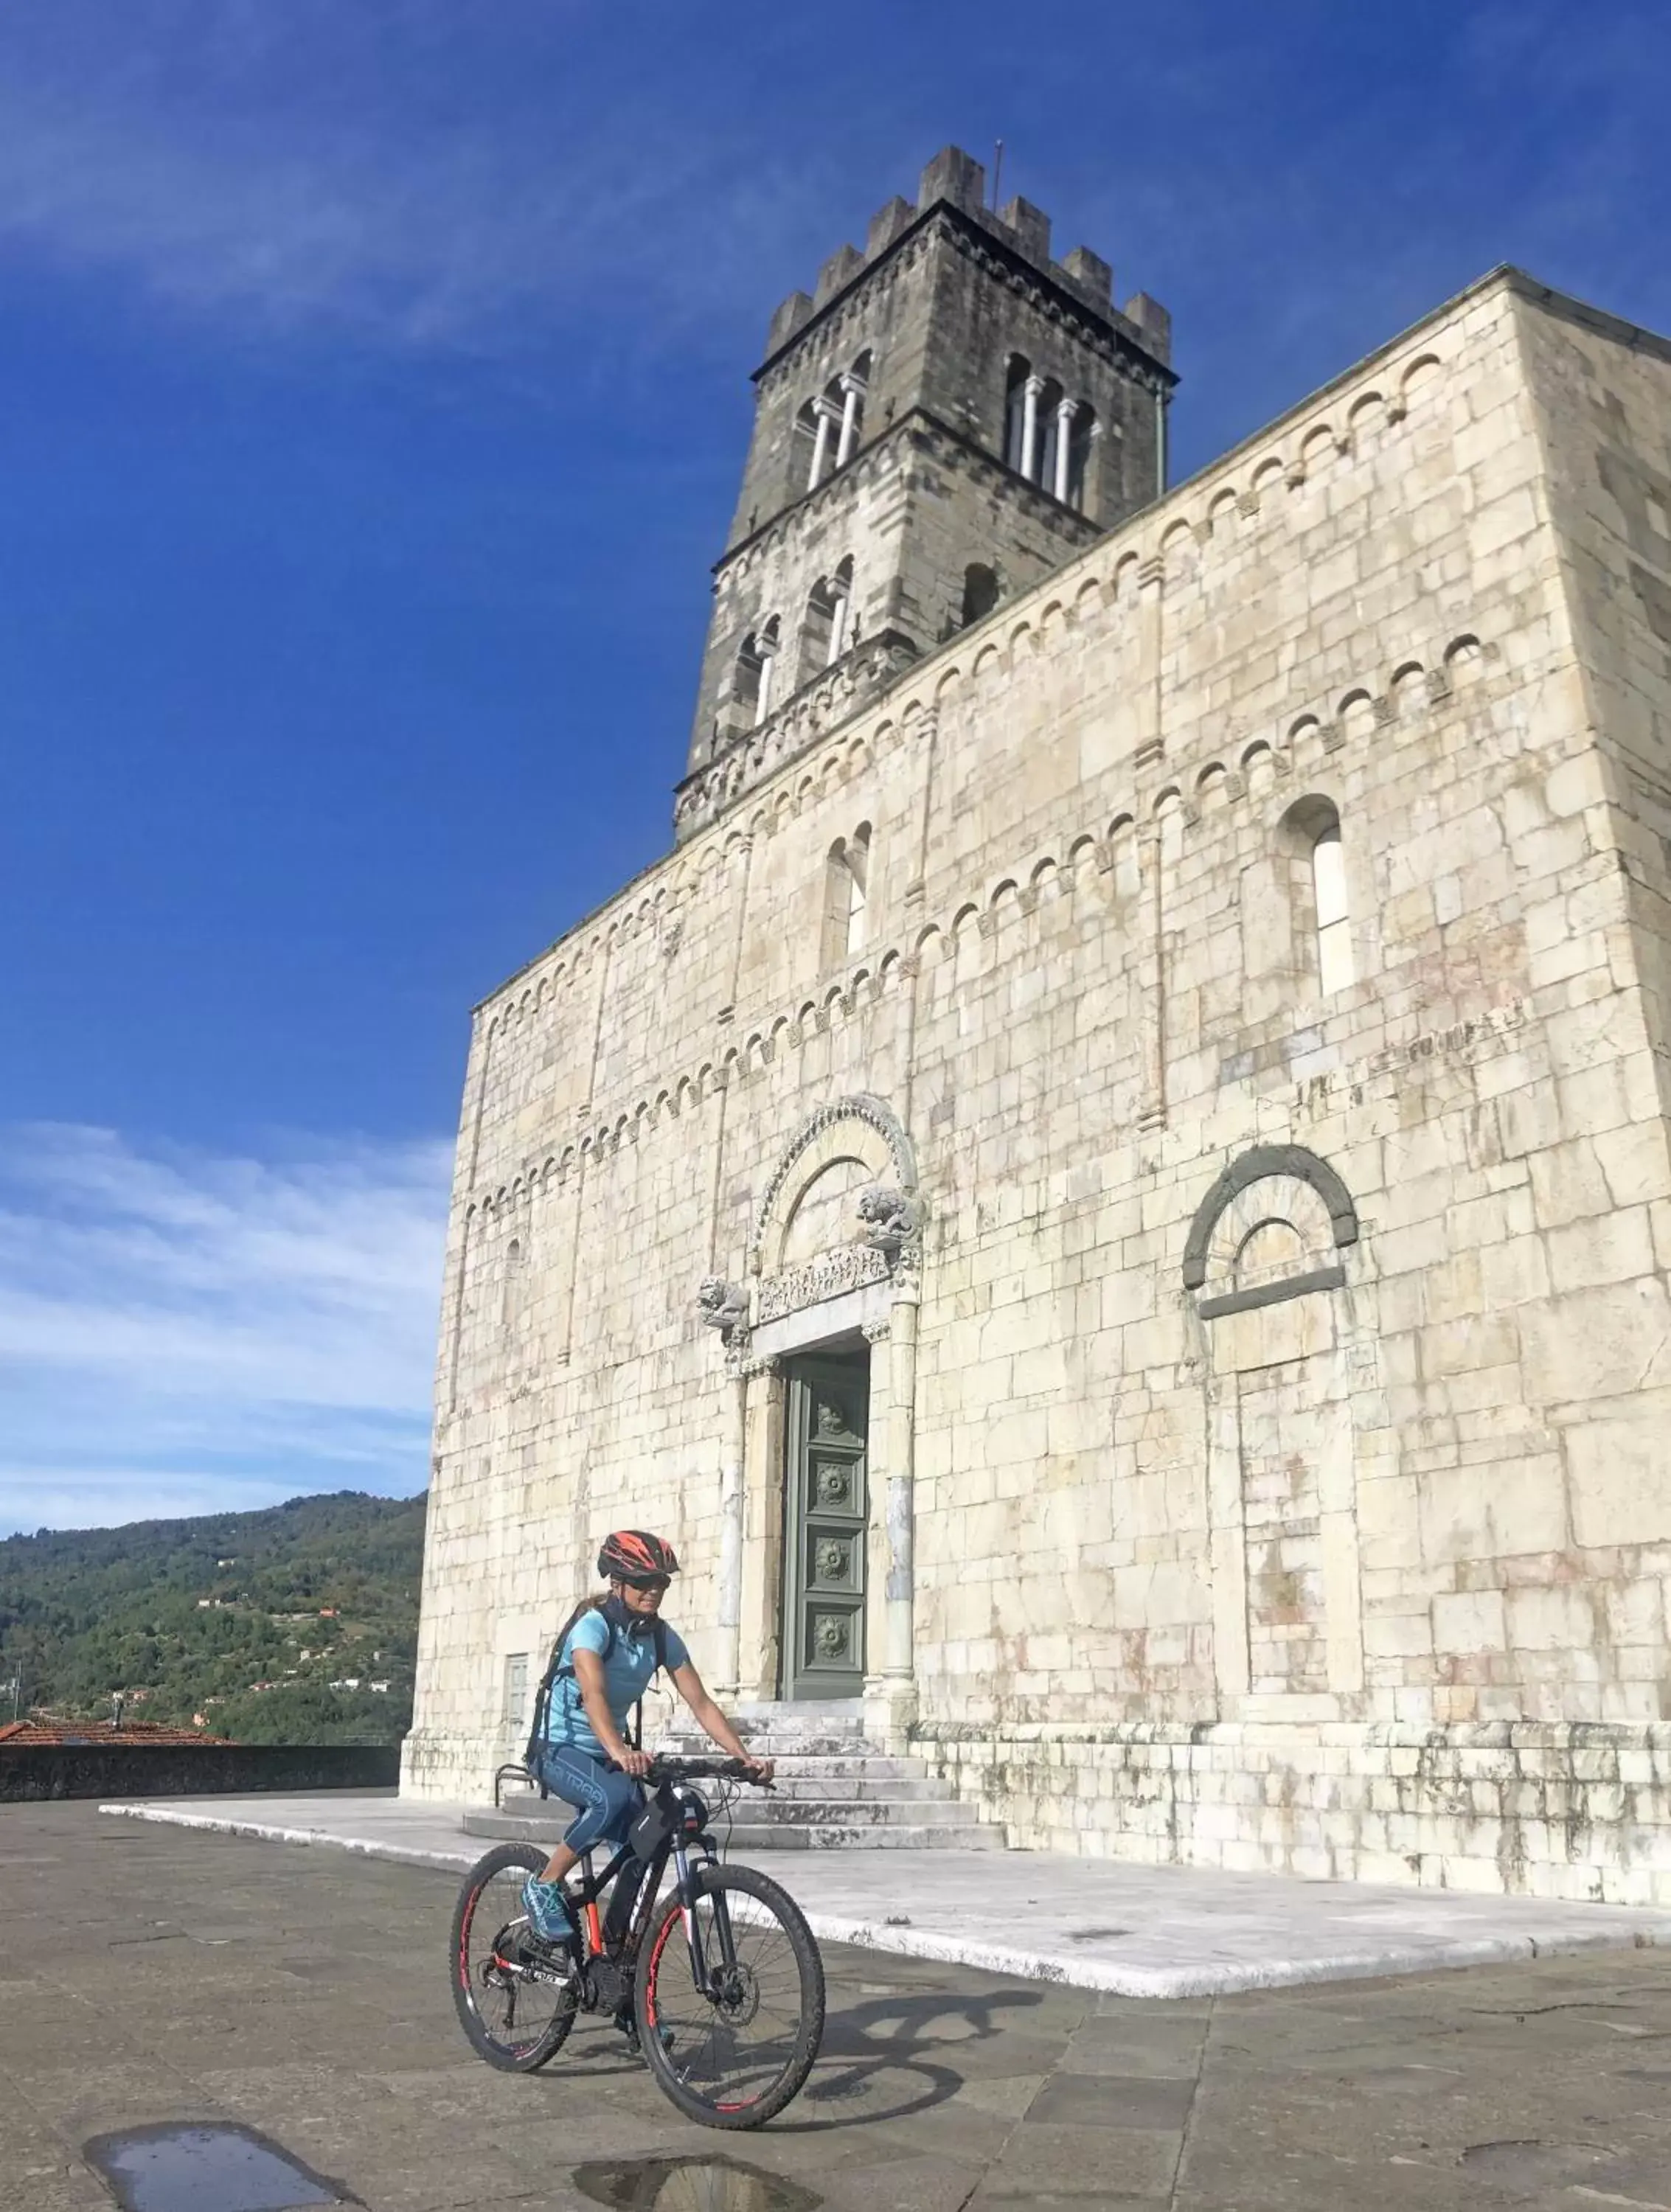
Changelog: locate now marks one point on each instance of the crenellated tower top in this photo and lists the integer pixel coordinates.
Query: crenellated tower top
(948, 415)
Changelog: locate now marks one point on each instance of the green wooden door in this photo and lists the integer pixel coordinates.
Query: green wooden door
(826, 1513)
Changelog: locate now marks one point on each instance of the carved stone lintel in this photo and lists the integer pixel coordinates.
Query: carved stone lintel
(849, 1268)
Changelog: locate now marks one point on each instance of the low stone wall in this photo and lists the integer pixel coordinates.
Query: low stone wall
(1580, 1810)
(186, 1770)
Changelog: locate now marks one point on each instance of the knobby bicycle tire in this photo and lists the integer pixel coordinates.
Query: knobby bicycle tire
(542, 2046)
(670, 2067)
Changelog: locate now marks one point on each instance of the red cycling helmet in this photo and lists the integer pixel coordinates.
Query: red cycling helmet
(632, 1555)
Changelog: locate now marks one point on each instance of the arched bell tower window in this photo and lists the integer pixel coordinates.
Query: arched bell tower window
(846, 885)
(980, 592)
(1081, 434)
(1015, 411)
(756, 660)
(828, 428)
(824, 636)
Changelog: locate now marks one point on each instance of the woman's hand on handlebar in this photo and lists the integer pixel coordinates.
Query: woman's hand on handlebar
(635, 1763)
(760, 1770)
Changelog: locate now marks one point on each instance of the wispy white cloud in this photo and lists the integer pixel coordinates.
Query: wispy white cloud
(178, 1330)
(403, 172)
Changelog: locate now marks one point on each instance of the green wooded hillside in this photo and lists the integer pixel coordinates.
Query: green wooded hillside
(248, 1618)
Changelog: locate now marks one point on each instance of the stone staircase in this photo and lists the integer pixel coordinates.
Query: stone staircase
(834, 1790)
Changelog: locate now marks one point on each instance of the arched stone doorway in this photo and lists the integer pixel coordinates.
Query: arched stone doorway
(821, 1342)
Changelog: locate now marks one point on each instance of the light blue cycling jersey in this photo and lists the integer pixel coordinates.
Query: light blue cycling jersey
(627, 1669)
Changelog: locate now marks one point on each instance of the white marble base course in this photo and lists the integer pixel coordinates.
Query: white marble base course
(1453, 1807)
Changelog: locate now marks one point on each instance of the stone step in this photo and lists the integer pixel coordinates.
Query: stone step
(773, 1744)
(856, 1812)
(835, 1834)
(836, 1790)
(551, 1819)
(770, 1744)
(884, 1836)
(789, 1709)
(834, 1780)
(825, 1780)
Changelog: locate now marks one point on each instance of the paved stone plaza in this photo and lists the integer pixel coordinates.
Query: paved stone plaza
(153, 1974)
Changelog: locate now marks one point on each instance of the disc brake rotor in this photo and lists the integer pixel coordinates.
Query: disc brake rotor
(737, 1993)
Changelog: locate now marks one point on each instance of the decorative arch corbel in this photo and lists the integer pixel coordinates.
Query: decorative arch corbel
(1270, 1188)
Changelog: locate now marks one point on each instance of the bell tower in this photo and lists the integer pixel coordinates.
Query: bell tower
(949, 416)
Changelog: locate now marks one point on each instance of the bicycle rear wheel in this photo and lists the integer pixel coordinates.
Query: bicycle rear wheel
(733, 2054)
(516, 1997)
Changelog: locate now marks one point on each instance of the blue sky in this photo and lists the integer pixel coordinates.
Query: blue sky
(372, 389)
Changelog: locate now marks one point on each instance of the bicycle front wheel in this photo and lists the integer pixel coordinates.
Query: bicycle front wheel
(732, 2049)
(516, 1996)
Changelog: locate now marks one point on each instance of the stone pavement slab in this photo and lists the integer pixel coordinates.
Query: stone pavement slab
(1133, 1930)
(156, 1977)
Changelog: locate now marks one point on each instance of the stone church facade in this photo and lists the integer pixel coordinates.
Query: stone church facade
(1111, 1193)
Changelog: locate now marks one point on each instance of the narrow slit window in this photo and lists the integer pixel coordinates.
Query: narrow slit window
(847, 890)
(1329, 883)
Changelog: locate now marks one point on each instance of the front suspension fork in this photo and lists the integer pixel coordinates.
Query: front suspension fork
(693, 1934)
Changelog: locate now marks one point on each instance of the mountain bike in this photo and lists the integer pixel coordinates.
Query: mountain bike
(720, 1980)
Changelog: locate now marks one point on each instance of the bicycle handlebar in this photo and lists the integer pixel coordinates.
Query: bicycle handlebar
(671, 1766)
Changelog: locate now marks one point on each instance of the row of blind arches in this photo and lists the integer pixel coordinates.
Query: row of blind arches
(1309, 836)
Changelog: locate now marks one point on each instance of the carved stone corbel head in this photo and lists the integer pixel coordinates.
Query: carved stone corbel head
(723, 1305)
(890, 1219)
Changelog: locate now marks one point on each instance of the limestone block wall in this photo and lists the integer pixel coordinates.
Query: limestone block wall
(1257, 1521)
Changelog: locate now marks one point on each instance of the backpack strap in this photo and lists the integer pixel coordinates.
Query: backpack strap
(555, 1668)
(659, 1637)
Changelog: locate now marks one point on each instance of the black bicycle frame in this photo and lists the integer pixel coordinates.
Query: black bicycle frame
(674, 1845)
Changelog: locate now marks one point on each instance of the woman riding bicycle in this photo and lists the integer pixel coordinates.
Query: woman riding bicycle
(608, 1656)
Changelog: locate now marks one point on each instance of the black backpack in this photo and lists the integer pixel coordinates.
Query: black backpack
(557, 1667)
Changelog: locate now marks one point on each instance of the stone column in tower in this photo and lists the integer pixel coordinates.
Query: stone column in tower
(853, 391)
(1065, 411)
(1030, 400)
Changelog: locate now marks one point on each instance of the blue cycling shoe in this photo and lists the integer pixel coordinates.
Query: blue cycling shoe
(547, 1906)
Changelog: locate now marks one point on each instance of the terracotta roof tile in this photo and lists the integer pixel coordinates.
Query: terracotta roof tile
(41, 1734)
